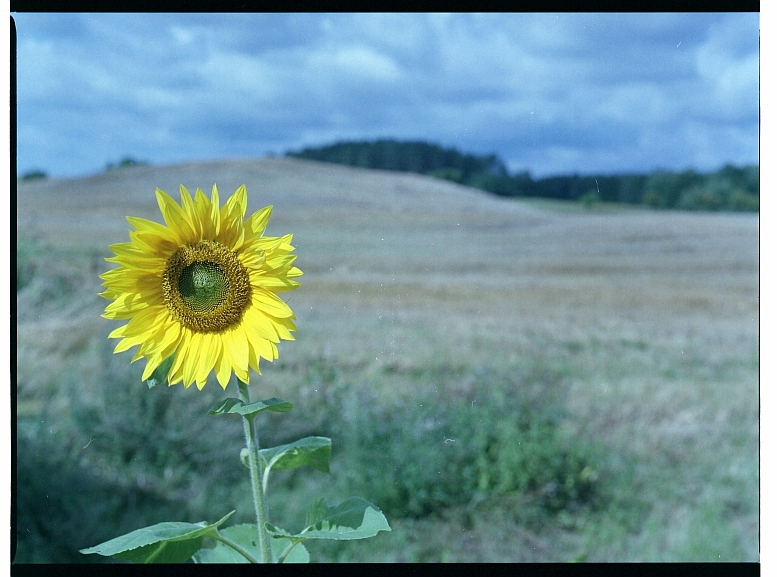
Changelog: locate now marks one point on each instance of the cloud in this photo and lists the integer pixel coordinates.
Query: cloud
(547, 92)
(727, 65)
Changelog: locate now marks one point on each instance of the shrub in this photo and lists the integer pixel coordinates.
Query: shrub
(589, 199)
(452, 174)
(26, 251)
(34, 175)
(652, 199)
(62, 506)
(125, 162)
(743, 201)
(424, 454)
(700, 198)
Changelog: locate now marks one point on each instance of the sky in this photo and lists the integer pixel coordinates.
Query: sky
(548, 93)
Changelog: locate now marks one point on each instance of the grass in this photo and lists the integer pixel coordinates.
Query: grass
(623, 344)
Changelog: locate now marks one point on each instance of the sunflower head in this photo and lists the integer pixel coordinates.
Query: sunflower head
(202, 290)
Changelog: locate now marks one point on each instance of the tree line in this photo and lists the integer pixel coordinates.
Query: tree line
(730, 188)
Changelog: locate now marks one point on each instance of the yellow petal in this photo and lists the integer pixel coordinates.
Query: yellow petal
(208, 357)
(267, 302)
(146, 321)
(127, 343)
(148, 265)
(282, 327)
(243, 375)
(215, 213)
(176, 373)
(145, 225)
(236, 204)
(260, 324)
(257, 222)
(258, 346)
(168, 334)
(151, 366)
(253, 357)
(176, 218)
(191, 363)
(188, 207)
(224, 366)
(273, 283)
(267, 243)
(117, 333)
(236, 341)
(252, 260)
(202, 209)
(232, 233)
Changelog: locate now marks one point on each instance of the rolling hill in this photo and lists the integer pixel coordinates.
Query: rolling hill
(646, 321)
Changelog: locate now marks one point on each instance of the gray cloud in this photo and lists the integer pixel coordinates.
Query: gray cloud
(548, 93)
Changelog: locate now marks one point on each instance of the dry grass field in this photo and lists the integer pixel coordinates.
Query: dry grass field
(644, 324)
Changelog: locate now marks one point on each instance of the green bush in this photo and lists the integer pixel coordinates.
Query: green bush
(652, 199)
(701, 198)
(120, 457)
(34, 175)
(741, 200)
(428, 453)
(26, 252)
(589, 199)
(452, 174)
(62, 506)
(126, 162)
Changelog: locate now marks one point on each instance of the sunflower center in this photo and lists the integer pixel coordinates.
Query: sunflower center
(206, 287)
(203, 286)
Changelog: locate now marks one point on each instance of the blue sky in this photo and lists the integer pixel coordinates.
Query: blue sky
(548, 93)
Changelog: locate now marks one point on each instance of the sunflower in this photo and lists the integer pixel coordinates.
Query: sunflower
(202, 289)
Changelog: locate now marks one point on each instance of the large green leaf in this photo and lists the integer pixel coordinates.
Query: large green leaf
(246, 536)
(313, 451)
(355, 518)
(168, 542)
(163, 552)
(237, 406)
(317, 511)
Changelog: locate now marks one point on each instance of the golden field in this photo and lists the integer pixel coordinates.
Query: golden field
(647, 319)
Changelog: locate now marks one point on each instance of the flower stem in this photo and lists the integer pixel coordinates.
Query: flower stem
(260, 506)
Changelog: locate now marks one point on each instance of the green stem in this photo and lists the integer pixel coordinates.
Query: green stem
(286, 551)
(235, 546)
(252, 444)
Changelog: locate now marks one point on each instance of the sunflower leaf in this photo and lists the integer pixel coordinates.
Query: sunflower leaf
(237, 406)
(159, 375)
(245, 535)
(354, 518)
(168, 542)
(317, 511)
(313, 451)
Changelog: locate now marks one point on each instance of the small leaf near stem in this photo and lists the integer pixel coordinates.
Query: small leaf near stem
(312, 451)
(250, 409)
